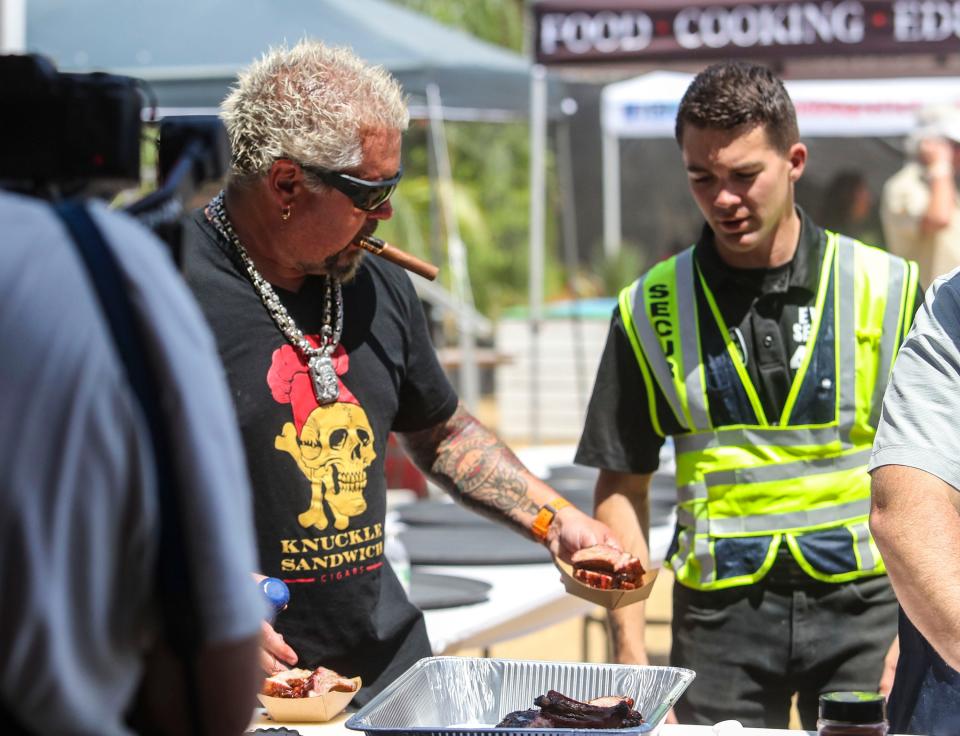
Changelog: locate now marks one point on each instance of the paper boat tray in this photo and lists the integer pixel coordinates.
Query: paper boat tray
(468, 696)
(607, 598)
(308, 710)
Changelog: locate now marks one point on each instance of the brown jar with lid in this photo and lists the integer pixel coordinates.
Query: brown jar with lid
(852, 714)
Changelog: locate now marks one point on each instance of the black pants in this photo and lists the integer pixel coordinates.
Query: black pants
(753, 647)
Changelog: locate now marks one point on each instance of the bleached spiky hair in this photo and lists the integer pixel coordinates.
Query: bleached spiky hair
(310, 103)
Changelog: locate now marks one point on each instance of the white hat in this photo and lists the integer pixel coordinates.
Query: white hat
(939, 121)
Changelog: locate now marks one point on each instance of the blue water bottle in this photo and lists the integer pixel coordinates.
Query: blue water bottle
(277, 594)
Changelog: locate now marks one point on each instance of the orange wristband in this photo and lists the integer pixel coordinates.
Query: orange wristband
(544, 517)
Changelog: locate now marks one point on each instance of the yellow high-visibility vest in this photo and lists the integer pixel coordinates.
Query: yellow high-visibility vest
(776, 477)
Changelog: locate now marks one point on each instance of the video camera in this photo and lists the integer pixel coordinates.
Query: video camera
(68, 134)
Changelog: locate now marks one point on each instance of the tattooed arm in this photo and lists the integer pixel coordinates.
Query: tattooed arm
(476, 468)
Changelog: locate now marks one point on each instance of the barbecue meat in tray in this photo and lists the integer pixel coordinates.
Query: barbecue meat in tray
(556, 710)
(300, 683)
(606, 568)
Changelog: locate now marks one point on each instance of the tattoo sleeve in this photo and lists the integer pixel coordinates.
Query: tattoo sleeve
(474, 466)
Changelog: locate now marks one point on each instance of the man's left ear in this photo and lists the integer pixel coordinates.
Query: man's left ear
(797, 156)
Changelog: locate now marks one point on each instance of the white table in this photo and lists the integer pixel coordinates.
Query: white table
(336, 727)
(523, 599)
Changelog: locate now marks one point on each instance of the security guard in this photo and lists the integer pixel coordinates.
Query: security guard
(763, 351)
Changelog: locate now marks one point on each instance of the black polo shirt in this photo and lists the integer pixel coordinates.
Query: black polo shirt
(770, 313)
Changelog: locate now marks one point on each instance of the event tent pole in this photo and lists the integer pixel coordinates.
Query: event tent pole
(610, 164)
(13, 26)
(568, 223)
(468, 372)
(538, 193)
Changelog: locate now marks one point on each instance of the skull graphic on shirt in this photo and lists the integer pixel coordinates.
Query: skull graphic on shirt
(333, 450)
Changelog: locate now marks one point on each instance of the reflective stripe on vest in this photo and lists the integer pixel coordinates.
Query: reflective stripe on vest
(658, 299)
(780, 478)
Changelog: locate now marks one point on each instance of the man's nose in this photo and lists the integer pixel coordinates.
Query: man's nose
(383, 212)
(726, 198)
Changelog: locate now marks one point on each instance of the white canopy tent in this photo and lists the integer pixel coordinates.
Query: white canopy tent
(646, 107)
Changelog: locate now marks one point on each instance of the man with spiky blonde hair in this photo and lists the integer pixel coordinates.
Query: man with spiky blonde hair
(327, 353)
(312, 103)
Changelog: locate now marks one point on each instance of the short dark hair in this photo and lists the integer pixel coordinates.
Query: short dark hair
(733, 94)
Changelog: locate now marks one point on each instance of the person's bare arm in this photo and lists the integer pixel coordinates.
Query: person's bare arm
(915, 520)
(468, 461)
(937, 156)
(622, 501)
(229, 677)
(226, 680)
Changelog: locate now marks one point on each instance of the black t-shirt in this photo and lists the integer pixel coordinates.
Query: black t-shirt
(318, 472)
(770, 313)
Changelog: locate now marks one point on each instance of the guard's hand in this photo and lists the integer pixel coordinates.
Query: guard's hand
(275, 654)
(572, 530)
(889, 668)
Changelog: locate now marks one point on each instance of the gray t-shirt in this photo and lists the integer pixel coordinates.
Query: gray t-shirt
(78, 512)
(918, 429)
(918, 425)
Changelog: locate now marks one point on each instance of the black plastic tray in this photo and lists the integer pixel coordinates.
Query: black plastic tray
(471, 545)
(430, 591)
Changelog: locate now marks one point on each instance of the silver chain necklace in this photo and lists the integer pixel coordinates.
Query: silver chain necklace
(326, 386)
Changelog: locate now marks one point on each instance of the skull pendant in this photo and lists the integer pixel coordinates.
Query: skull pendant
(326, 386)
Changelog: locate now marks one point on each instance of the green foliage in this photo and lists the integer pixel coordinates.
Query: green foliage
(495, 21)
(491, 172)
(492, 199)
(613, 273)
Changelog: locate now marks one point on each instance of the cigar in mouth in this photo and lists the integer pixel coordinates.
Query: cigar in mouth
(395, 255)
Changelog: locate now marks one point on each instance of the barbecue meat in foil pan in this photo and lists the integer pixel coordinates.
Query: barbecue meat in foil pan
(555, 710)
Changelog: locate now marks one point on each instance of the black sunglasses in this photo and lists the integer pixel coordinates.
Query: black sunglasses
(365, 195)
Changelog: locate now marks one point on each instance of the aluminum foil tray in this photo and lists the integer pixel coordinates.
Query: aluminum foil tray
(468, 696)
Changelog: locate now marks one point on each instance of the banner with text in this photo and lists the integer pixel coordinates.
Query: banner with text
(593, 31)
